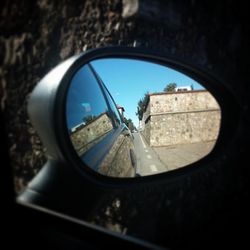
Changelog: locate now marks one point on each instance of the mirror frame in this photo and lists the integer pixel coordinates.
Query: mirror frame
(224, 97)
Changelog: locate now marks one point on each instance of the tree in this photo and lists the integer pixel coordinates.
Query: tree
(141, 106)
(129, 123)
(170, 87)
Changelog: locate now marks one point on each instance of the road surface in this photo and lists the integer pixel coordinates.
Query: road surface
(148, 162)
(166, 158)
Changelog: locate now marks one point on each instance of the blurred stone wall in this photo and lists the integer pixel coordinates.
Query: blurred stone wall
(117, 162)
(86, 136)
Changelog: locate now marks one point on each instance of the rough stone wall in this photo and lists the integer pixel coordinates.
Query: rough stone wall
(147, 130)
(117, 163)
(181, 117)
(87, 136)
(182, 101)
(187, 127)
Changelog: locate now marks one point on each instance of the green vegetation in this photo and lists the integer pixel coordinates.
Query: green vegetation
(141, 106)
(129, 123)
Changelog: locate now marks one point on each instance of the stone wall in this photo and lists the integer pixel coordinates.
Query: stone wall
(87, 136)
(117, 162)
(181, 117)
(182, 101)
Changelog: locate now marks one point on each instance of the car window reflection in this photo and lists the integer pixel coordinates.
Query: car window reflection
(88, 118)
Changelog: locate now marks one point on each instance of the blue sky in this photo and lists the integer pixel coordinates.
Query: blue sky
(128, 80)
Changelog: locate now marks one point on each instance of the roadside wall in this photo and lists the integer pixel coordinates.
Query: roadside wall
(181, 117)
(87, 136)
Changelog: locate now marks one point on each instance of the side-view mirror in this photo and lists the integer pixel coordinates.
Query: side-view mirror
(124, 112)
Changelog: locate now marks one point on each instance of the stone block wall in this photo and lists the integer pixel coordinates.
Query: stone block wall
(87, 136)
(181, 101)
(181, 117)
(188, 127)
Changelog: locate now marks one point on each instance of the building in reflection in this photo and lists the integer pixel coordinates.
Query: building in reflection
(121, 110)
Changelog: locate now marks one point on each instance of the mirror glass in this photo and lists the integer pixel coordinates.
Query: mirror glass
(129, 118)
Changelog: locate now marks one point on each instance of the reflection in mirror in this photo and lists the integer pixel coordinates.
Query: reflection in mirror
(128, 118)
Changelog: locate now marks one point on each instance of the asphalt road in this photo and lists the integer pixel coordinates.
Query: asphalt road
(166, 158)
(148, 162)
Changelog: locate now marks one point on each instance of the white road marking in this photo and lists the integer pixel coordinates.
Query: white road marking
(149, 156)
(143, 143)
(153, 168)
(146, 150)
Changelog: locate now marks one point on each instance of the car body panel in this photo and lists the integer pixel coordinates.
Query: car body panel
(101, 140)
